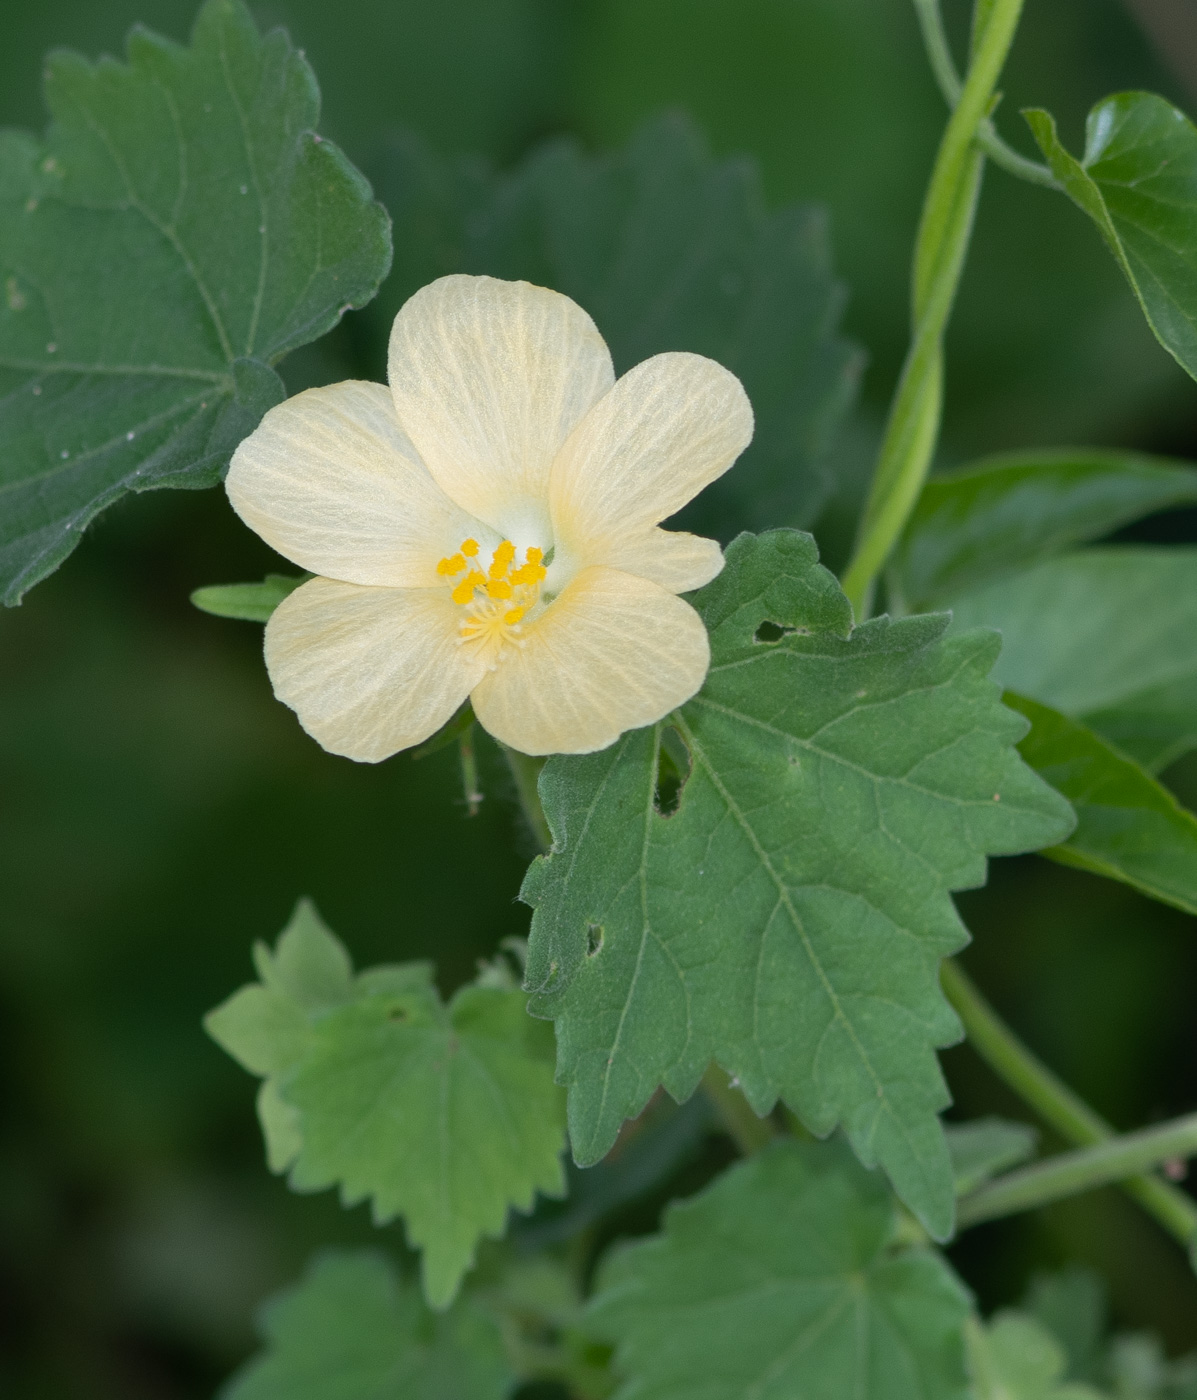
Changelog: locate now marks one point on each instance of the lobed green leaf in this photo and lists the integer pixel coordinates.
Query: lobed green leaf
(777, 1283)
(181, 228)
(247, 602)
(446, 1115)
(1005, 513)
(788, 919)
(1106, 635)
(353, 1330)
(1014, 1357)
(1137, 181)
(1129, 827)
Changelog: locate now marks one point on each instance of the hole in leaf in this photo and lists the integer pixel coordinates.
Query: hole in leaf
(772, 632)
(673, 769)
(594, 939)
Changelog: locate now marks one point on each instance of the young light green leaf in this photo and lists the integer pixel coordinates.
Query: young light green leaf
(982, 1148)
(1004, 513)
(1106, 635)
(1129, 827)
(776, 1284)
(353, 1330)
(788, 919)
(1137, 181)
(247, 602)
(668, 250)
(179, 231)
(1014, 1357)
(446, 1115)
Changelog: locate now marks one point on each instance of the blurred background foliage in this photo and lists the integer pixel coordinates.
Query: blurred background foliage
(160, 811)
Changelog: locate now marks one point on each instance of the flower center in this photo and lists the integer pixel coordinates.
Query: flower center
(493, 603)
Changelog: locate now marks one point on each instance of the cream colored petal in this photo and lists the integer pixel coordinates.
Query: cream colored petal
(369, 671)
(672, 558)
(330, 480)
(613, 652)
(667, 429)
(489, 378)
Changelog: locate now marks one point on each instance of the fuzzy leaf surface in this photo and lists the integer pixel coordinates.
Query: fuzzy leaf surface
(1105, 635)
(787, 921)
(1007, 512)
(775, 1283)
(668, 249)
(354, 1330)
(1137, 181)
(444, 1114)
(178, 231)
(1129, 827)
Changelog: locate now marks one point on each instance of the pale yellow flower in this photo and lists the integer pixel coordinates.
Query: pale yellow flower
(488, 527)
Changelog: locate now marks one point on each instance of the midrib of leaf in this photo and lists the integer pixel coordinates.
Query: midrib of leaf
(209, 376)
(803, 1341)
(164, 230)
(263, 222)
(784, 902)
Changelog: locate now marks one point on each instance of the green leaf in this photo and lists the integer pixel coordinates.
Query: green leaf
(446, 1115)
(788, 919)
(179, 231)
(353, 1330)
(1014, 1357)
(1004, 513)
(776, 1284)
(986, 1146)
(1129, 827)
(247, 602)
(1138, 183)
(1105, 635)
(668, 250)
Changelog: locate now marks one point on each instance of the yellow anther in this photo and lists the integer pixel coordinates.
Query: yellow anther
(469, 548)
(503, 557)
(499, 588)
(535, 555)
(512, 617)
(528, 573)
(465, 589)
(452, 565)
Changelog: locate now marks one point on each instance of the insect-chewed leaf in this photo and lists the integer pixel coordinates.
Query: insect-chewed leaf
(776, 1283)
(353, 1330)
(787, 920)
(446, 1115)
(179, 231)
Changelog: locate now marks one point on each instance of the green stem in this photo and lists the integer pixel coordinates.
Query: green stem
(525, 770)
(1055, 1102)
(469, 770)
(745, 1129)
(935, 40)
(940, 250)
(1073, 1172)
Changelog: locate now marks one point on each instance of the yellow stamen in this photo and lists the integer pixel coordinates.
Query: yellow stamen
(528, 573)
(469, 548)
(498, 587)
(452, 565)
(534, 555)
(465, 589)
(512, 617)
(503, 557)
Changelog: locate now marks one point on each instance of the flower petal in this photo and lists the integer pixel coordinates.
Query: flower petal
(369, 671)
(330, 480)
(667, 429)
(612, 652)
(489, 378)
(672, 558)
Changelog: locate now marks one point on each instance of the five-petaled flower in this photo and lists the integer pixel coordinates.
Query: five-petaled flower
(489, 527)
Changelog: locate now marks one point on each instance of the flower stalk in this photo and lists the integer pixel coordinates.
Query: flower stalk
(1057, 1104)
(945, 229)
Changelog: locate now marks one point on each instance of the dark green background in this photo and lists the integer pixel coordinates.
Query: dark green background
(160, 810)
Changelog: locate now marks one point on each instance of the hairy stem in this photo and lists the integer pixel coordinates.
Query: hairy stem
(1055, 1102)
(745, 1129)
(940, 249)
(525, 770)
(1103, 1164)
(935, 40)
